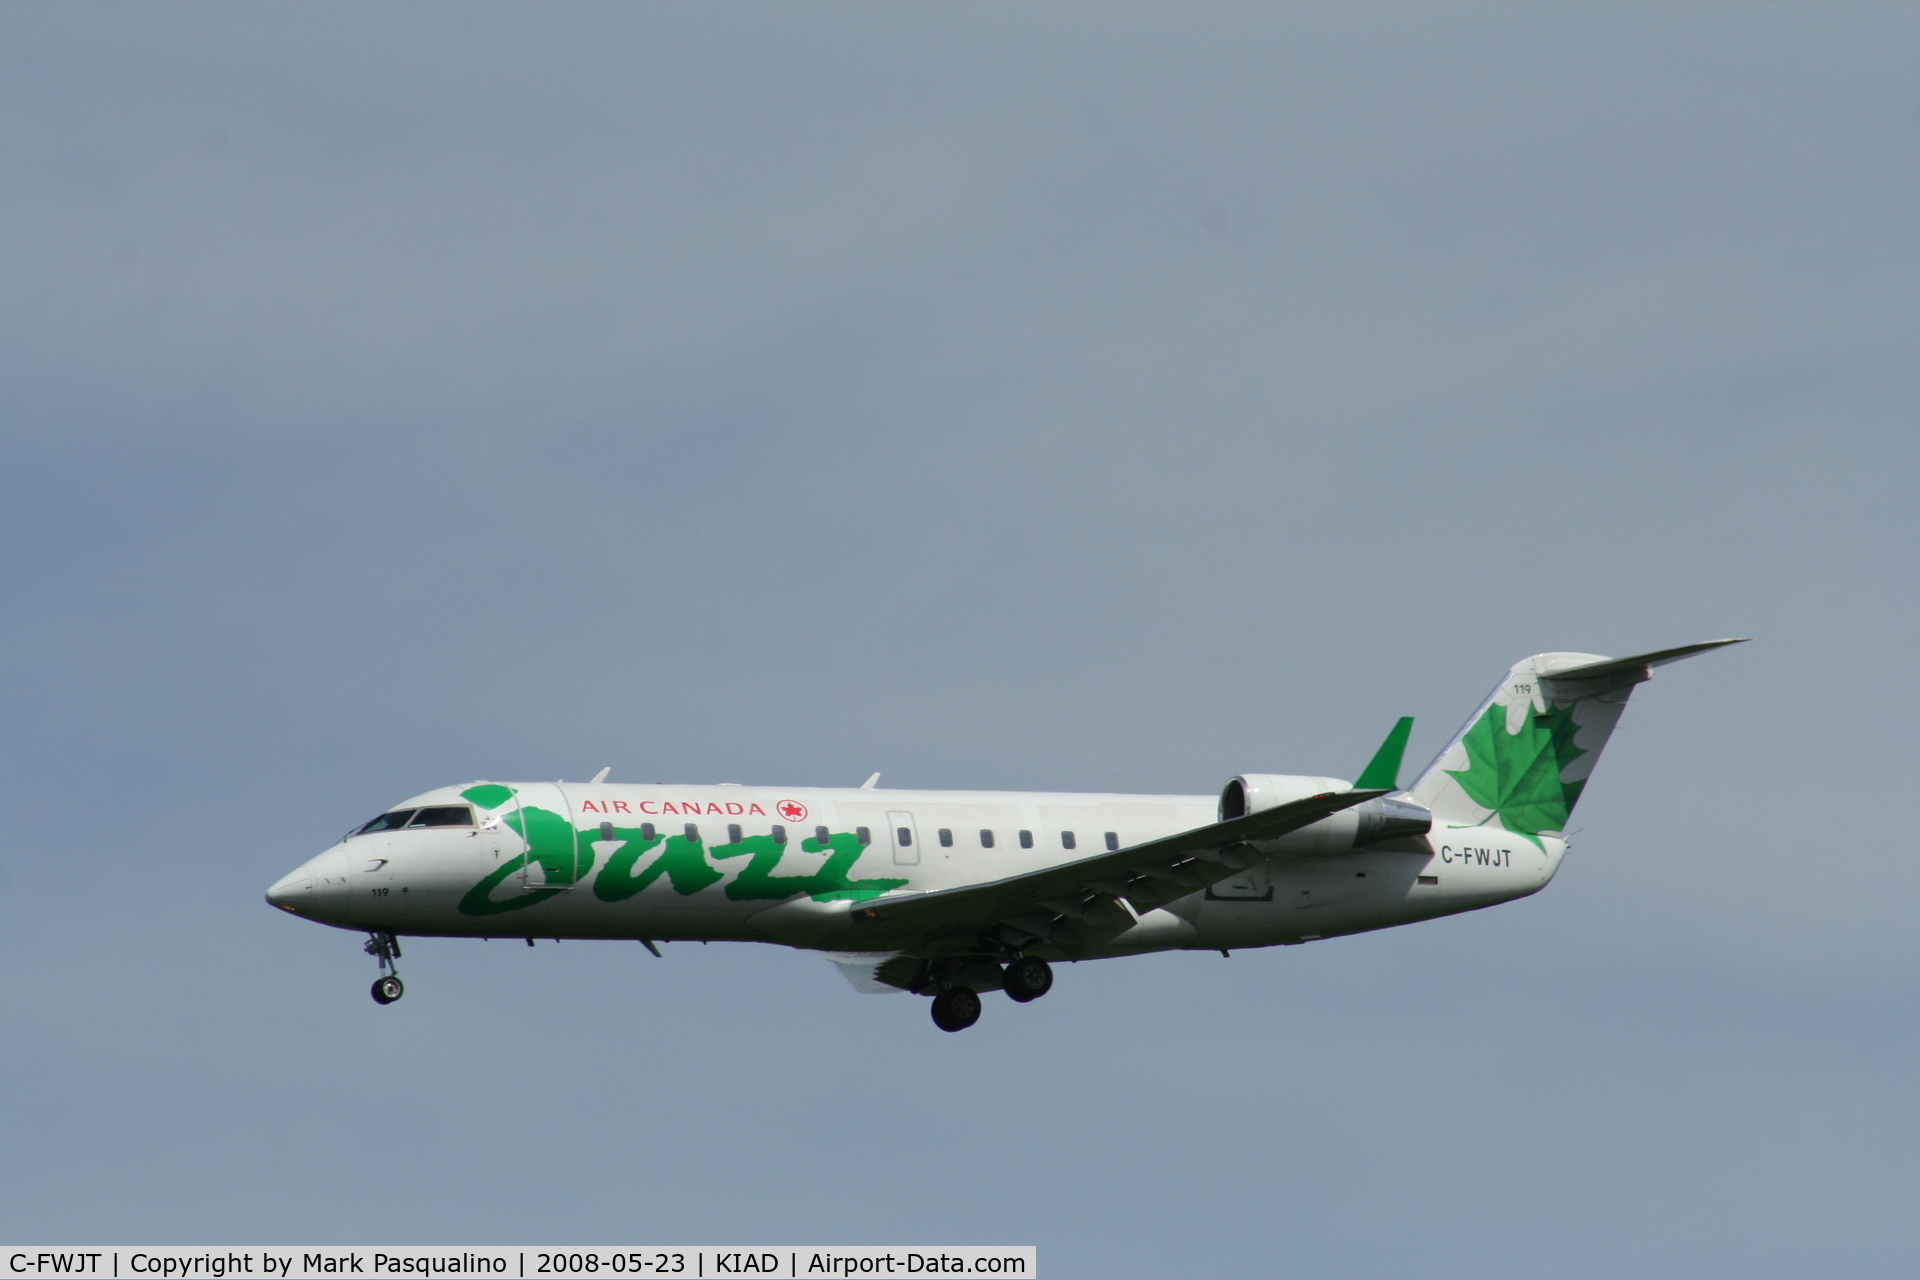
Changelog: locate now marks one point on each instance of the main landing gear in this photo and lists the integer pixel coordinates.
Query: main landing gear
(956, 1008)
(385, 948)
(1025, 978)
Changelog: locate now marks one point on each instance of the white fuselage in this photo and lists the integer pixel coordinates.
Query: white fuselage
(723, 868)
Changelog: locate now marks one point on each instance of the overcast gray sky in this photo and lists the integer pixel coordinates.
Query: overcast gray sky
(1061, 397)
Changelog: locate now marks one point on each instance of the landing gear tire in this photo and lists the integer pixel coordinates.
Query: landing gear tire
(385, 948)
(1027, 978)
(956, 1009)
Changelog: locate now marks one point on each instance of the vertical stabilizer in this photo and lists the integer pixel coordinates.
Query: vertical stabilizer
(1525, 756)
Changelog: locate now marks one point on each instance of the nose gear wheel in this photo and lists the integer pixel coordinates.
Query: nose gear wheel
(385, 948)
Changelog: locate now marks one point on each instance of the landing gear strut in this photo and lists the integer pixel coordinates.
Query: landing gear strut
(1027, 978)
(385, 948)
(956, 1009)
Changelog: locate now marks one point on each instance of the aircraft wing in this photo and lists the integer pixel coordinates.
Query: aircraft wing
(1078, 903)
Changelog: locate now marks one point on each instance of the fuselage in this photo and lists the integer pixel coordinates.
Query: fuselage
(741, 863)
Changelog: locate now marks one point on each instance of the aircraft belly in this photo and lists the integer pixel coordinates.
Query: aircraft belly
(576, 913)
(1374, 890)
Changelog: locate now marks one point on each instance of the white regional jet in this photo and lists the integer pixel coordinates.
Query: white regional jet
(951, 893)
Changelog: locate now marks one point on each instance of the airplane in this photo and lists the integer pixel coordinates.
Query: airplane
(948, 894)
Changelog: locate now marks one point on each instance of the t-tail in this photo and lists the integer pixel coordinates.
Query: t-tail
(1523, 759)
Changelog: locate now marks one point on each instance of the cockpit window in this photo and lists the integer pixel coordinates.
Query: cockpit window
(439, 815)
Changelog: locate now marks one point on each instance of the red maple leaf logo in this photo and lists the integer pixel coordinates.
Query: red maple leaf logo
(792, 810)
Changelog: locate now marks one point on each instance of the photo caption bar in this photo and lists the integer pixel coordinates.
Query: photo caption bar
(677, 1262)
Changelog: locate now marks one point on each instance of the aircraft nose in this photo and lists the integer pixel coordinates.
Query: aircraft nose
(293, 890)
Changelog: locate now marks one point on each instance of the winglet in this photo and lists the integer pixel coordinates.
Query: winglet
(1383, 771)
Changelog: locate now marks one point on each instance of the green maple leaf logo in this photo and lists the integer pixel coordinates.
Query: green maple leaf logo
(1517, 775)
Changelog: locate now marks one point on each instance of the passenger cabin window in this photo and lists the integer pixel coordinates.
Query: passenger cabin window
(986, 838)
(443, 815)
(820, 834)
(646, 831)
(388, 821)
(1066, 839)
(906, 836)
(779, 835)
(606, 831)
(1113, 842)
(946, 838)
(1026, 839)
(864, 836)
(692, 833)
(733, 833)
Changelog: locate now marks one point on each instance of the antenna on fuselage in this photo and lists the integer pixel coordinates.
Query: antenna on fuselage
(868, 784)
(602, 775)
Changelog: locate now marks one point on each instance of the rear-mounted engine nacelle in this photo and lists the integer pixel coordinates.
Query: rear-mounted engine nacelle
(1390, 818)
(1253, 792)
(1383, 818)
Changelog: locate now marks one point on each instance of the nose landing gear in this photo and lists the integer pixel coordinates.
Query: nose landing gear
(385, 948)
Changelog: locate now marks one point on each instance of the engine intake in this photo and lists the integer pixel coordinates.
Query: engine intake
(1253, 792)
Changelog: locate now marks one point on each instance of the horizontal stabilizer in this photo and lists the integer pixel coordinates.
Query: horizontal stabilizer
(1638, 664)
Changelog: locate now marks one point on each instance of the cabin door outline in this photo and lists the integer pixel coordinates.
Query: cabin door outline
(904, 836)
